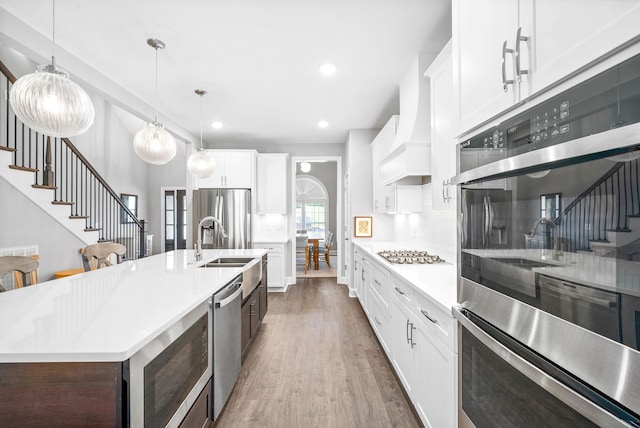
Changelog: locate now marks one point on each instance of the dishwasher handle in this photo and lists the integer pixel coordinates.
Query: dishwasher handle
(566, 290)
(224, 302)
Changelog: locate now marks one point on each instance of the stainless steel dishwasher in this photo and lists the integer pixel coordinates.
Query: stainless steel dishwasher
(226, 342)
(596, 310)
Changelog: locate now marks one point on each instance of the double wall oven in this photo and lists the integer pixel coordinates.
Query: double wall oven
(549, 259)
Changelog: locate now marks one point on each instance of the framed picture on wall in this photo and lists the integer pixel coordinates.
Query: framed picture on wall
(363, 227)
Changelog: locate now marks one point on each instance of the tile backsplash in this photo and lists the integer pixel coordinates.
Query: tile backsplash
(433, 230)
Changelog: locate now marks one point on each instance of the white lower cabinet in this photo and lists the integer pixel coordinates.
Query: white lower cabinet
(276, 263)
(404, 345)
(380, 320)
(434, 392)
(419, 338)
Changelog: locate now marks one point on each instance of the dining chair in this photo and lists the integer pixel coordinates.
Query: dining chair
(25, 269)
(100, 255)
(326, 248)
(303, 252)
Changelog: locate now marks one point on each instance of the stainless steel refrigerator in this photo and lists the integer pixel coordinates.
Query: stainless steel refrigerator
(486, 217)
(232, 207)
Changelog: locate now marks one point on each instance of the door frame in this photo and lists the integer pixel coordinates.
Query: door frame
(339, 241)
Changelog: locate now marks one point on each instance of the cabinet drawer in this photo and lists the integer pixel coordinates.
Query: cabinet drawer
(272, 247)
(440, 323)
(381, 284)
(380, 320)
(403, 291)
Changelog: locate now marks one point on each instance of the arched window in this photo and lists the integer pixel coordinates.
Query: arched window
(312, 206)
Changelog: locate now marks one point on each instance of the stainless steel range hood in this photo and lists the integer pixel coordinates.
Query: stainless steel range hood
(409, 158)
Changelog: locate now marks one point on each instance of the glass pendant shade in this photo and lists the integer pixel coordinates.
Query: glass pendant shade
(48, 102)
(201, 164)
(154, 145)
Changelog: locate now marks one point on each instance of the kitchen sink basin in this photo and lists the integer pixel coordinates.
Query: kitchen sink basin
(523, 263)
(228, 262)
(251, 276)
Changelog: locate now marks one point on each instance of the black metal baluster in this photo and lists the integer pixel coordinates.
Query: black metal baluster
(637, 208)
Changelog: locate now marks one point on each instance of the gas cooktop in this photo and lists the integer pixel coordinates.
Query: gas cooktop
(409, 257)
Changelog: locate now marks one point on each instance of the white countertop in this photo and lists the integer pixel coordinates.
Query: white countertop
(605, 273)
(111, 313)
(437, 281)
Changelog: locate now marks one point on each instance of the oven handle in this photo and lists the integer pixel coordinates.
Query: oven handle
(224, 302)
(542, 379)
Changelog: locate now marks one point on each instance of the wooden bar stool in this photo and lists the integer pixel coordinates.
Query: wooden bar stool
(99, 255)
(25, 270)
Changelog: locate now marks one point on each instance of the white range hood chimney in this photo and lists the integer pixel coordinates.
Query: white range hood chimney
(409, 158)
(414, 123)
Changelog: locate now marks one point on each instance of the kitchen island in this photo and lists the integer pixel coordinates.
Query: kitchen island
(64, 342)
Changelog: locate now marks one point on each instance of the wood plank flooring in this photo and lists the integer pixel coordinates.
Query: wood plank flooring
(316, 363)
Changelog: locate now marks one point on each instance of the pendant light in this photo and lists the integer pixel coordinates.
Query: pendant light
(201, 163)
(48, 102)
(154, 144)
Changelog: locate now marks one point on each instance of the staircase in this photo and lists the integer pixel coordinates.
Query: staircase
(605, 218)
(57, 177)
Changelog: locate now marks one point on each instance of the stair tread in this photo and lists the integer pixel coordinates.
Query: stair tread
(23, 168)
(618, 230)
(62, 203)
(78, 216)
(42, 186)
(7, 149)
(92, 229)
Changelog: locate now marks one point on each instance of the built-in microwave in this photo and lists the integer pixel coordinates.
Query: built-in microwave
(168, 374)
(549, 260)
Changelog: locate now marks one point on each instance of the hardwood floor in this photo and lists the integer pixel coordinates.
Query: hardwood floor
(316, 363)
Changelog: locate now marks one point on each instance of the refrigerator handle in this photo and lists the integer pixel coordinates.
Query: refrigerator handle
(486, 221)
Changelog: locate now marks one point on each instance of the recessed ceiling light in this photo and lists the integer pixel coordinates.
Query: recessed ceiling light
(327, 69)
(216, 124)
(323, 124)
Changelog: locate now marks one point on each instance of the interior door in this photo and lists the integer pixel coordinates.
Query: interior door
(175, 219)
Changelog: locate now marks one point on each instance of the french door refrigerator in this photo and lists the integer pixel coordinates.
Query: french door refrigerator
(232, 207)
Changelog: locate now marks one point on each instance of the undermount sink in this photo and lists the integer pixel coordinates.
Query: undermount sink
(523, 263)
(228, 262)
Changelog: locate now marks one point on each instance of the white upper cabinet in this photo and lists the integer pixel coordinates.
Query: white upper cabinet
(234, 170)
(272, 183)
(566, 35)
(506, 51)
(383, 196)
(480, 29)
(443, 148)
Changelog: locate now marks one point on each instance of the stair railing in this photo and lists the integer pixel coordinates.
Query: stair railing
(59, 166)
(605, 206)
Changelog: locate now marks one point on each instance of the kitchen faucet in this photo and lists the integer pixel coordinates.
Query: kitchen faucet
(550, 223)
(200, 236)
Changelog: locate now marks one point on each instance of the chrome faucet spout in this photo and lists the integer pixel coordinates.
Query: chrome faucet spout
(551, 224)
(201, 230)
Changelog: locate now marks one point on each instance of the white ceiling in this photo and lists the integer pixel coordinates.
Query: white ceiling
(257, 59)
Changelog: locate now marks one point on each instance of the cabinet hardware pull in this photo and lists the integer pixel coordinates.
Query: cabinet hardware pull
(519, 38)
(444, 184)
(399, 291)
(362, 274)
(377, 282)
(426, 314)
(410, 329)
(505, 82)
(377, 320)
